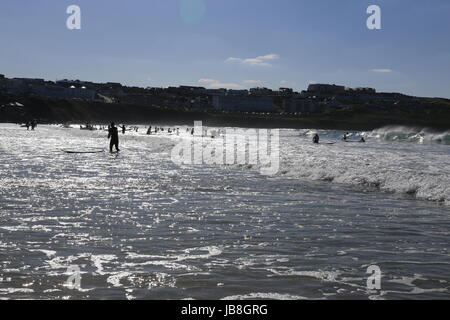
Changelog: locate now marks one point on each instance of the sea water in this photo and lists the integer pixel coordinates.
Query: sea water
(138, 226)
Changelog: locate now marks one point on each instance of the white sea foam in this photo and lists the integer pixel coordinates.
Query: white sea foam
(330, 276)
(99, 260)
(264, 295)
(116, 277)
(386, 161)
(212, 251)
(48, 253)
(410, 134)
(422, 171)
(15, 290)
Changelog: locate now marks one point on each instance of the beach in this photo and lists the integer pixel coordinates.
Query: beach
(139, 226)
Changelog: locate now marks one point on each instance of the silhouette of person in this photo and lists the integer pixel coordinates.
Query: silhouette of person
(345, 136)
(113, 134)
(316, 138)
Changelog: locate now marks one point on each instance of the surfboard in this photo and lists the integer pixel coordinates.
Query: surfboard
(84, 151)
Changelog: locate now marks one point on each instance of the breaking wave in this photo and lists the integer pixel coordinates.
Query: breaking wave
(418, 166)
(421, 170)
(411, 134)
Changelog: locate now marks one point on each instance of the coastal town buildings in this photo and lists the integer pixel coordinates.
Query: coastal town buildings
(300, 105)
(317, 97)
(325, 88)
(45, 89)
(237, 103)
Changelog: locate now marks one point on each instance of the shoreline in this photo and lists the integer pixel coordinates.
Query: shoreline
(359, 118)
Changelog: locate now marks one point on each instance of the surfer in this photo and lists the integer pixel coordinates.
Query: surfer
(362, 139)
(124, 129)
(114, 136)
(149, 131)
(316, 138)
(345, 136)
(33, 124)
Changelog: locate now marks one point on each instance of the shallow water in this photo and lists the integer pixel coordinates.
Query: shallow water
(140, 227)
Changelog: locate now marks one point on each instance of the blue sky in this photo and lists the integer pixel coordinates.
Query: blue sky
(232, 43)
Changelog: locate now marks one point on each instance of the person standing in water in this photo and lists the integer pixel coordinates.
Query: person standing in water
(113, 134)
(316, 138)
(33, 124)
(345, 136)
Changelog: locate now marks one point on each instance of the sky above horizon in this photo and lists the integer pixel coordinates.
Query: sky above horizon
(235, 44)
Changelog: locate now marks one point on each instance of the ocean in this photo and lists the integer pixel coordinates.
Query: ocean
(136, 225)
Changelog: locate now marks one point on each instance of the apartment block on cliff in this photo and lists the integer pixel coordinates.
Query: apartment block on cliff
(325, 89)
(299, 105)
(239, 103)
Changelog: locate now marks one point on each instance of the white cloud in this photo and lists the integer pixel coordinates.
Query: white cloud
(225, 85)
(382, 70)
(207, 81)
(217, 84)
(261, 61)
(253, 81)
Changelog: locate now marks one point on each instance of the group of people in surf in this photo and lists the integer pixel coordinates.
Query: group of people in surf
(89, 126)
(212, 133)
(316, 138)
(346, 135)
(155, 130)
(31, 124)
(124, 128)
(161, 129)
(113, 133)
